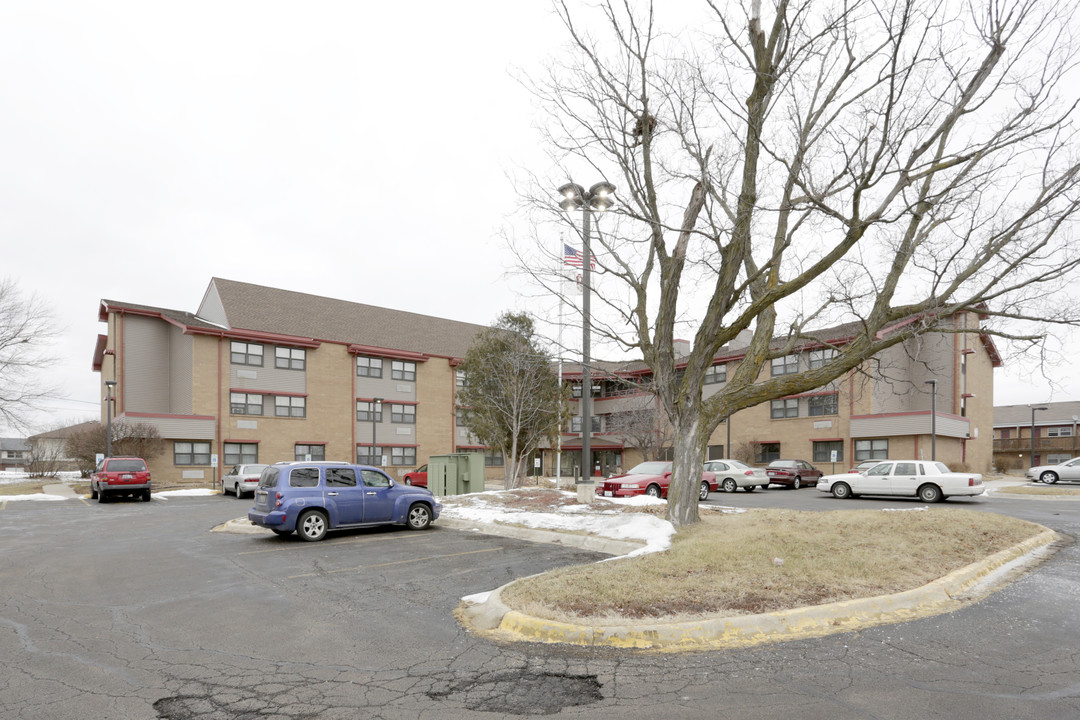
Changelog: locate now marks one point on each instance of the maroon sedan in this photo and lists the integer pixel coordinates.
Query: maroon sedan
(795, 473)
(650, 478)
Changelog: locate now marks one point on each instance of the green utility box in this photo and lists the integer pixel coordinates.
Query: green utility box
(456, 474)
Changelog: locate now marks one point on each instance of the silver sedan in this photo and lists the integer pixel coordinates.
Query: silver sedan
(1068, 470)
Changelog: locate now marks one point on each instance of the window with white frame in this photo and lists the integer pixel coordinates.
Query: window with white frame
(820, 358)
(716, 374)
(290, 358)
(368, 366)
(301, 452)
(191, 453)
(243, 353)
(823, 404)
(402, 413)
(594, 422)
(784, 408)
(1063, 431)
(786, 365)
(459, 379)
(368, 455)
(871, 450)
(823, 450)
(402, 456)
(287, 406)
(402, 370)
(241, 453)
(368, 411)
(245, 404)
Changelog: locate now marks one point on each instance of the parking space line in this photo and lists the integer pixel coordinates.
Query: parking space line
(332, 543)
(396, 562)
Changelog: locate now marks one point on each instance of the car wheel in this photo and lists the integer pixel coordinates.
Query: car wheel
(750, 488)
(730, 485)
(146, 495)
(653, 491)
(419, 517)
(841, 490)
(930, 493)
(101, 498)
(93, 492)
(312, 525)
(703, 492)
(1049, 477)
(238, 491)
(797, 483)
(408, 481)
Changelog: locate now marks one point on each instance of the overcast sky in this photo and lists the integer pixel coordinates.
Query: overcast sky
(349, 149)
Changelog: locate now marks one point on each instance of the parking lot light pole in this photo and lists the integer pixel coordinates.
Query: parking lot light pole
(1031, 460)
(598, 198)
(109, 385)
(933, 418)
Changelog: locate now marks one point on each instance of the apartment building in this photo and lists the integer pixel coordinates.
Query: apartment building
(258, 374)
(1039, 434)
(928, 396)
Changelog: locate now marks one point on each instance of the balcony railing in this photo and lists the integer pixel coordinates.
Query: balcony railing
(1042, 444)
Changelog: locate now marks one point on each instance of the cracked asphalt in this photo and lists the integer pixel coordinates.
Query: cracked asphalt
(136, 610)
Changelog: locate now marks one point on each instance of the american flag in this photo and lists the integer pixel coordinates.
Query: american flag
(573, 257)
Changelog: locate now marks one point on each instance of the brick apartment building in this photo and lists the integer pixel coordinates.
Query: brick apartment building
(259, 374)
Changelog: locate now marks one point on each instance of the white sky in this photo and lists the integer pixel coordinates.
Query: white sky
(349, 149)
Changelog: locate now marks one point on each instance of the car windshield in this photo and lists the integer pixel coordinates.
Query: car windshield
(650, 468)
(126, 465)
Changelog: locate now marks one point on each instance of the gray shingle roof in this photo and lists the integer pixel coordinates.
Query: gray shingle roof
(265, 309)
(1059, 413)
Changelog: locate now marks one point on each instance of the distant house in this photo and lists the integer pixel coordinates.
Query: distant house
(1039, 434)
(14, 453)
(50, 448)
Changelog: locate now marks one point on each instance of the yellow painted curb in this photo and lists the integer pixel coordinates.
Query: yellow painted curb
(945, 594)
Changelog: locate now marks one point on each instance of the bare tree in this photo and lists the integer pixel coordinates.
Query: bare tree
(887, 166)
(26, 329)
(643, 427)
(129, 439)
(514, 398)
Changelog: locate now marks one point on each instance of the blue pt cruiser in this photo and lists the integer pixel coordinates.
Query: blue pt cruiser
(312, 498)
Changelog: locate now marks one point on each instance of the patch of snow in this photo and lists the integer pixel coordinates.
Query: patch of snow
(34, 496)
(185, 493)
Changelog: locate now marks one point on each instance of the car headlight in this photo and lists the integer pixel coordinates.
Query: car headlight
(631, 486)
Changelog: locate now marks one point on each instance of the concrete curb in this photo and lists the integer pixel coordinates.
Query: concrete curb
(492, 616)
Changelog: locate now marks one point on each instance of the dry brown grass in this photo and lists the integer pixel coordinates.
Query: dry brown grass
(767, 560)
(1044, 490)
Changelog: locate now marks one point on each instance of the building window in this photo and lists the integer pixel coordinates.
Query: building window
(767, 452)
(1065, 431)
(823, 451)
(575, 391)
(285, 406)
(366, 411)
(871, 450)
(784, 408)
(594, 421)
(716, 374)
(247, 354)
(786, 365)
(241, 453)
(823, 404)
(1057, 458)
(402, 370)
(400, 456)
(290, 358)
(368, 455)
(368, 367)
(316, 452)
(191, 453)
(402, 413)
(459, 379)
(461, 417)
(820, 358)
(493, 458)
(245, 404)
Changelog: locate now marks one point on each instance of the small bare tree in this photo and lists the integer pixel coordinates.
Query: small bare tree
(131, 439)
(884, 166)
(26, 329)
(515, 401)
(643, 427)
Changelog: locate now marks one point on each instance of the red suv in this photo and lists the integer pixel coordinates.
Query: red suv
(120, 476)
(795, 473)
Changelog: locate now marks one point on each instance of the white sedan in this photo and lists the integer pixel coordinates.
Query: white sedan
(1068, 470)
(732, 474)
(929, 481)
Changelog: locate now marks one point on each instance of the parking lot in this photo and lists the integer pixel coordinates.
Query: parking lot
(140, 610)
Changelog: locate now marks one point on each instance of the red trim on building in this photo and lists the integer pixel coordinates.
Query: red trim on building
(309, 442)
(913, 412)
(368, 350)
(385, 445)
(246, 442)
(277, 393)
(169, 415)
